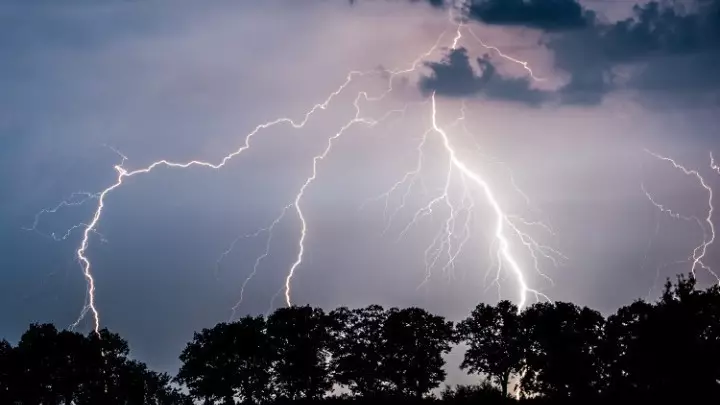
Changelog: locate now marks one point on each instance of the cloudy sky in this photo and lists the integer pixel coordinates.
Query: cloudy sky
(184, 80)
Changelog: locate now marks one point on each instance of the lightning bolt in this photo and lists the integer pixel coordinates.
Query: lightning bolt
(450, 241)
(707, 225)
(502, 220)
(714, 165)
(123, 173)
(297, 203)
(443, 241)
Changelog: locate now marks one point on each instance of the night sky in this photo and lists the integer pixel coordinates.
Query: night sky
(183, 80)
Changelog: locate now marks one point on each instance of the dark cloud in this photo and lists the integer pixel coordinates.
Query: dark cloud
(666, 48)
(454, 77)
(671, 52)
(664, 51)
(549, 15)
(579, 55)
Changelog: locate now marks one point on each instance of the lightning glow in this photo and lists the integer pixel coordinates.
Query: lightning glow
(456, 230)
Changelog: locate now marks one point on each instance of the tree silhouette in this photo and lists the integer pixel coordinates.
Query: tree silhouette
(52, 367)
(228, 361)
(414, 342)
(102, 366)
(495, 342)
(668, 350)
(300, 337)
(144, 386)
(8, 370)
(663, 350)
(628, 350)
(563, 351)
(483, 393)
(357, 359)
(690, 342)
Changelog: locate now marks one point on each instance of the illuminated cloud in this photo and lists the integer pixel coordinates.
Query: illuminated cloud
(455, 77)
(664, 52)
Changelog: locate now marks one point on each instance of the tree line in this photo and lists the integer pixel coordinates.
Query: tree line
(558, 352)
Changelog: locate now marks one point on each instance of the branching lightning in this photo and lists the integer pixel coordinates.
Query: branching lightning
(504, 249)
(268, 242)
(706, 224)
(508, 231)
(72, 201)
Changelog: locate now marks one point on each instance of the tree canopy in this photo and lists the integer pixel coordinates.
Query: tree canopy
(48, 366)
(557, 352)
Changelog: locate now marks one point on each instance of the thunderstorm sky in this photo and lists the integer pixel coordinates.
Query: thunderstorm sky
(186, 80)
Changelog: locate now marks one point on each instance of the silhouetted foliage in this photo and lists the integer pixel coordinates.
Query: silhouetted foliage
(655, 349)
(563, 351)
(300, 337)
(668, 350)
(62, 367)
(494, 336)
(413, 343)
(143, 386)
(358, 361)
(228, 361)
(627, 351)
(7, 371)
(484, 392)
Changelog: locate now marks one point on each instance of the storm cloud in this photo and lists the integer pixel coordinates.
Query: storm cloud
(455, 77)
(663, 52)
(549, 15)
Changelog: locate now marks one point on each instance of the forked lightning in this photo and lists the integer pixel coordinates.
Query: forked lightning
(456, 230)
(706, 225)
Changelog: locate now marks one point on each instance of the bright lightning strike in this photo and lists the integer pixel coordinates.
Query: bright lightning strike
(502, 221)
(123, 173)
(450, 241)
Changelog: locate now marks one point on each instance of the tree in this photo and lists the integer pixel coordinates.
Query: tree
(688, 319)
(357, 358)
(49, 365)
(414, 342)
(668, 349)
(143, 386)
(103, 363)
(563, 350)
(300, 337)
(495, 342)
(483, 393)
(8, 371)
(628, 352)
(228, 361)
(52, 367)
